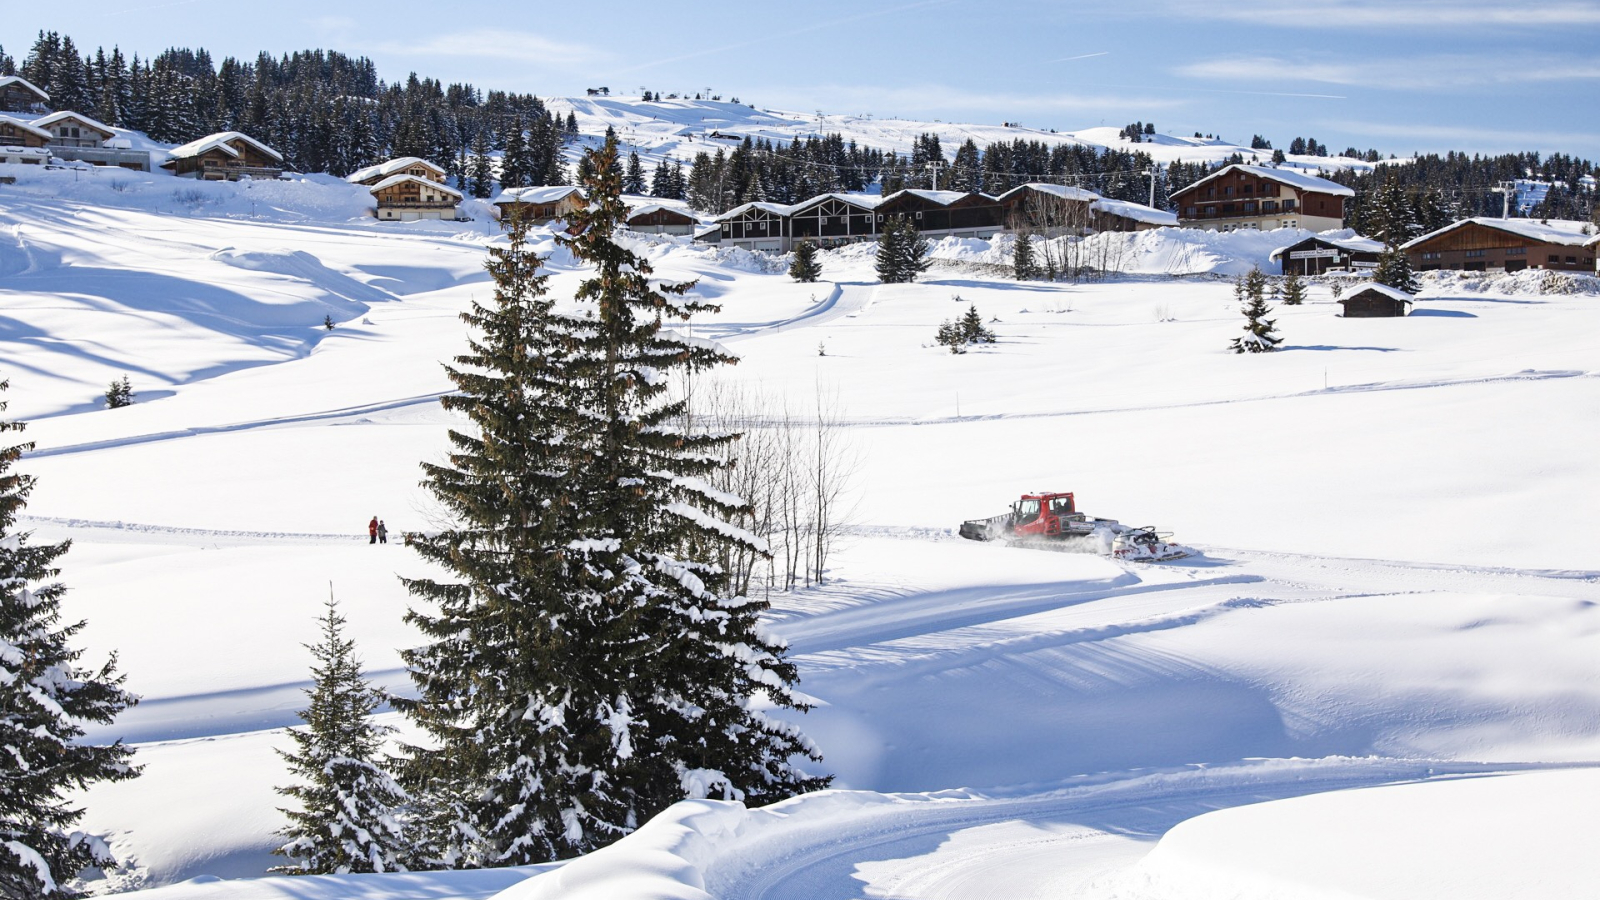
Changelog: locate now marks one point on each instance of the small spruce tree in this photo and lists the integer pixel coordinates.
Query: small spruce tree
(45, 700)
(1260, 335)
(327, 321)
(1394, 270)
(950, 335)
(1022, 264)
(902, 252)
(1294, 289)
(119, 394)
(805, 267)
(972, 328)
(348, 814)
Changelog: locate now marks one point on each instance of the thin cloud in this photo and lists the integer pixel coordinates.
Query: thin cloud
(1412, 73)
(1365, 14)
(522, 46)
(1455, 136)
(1084, 56)
(946, 102)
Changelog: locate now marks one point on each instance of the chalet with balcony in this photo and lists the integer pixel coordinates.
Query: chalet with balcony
(1505, 245)
(1318, 254)
(18, 95)
(1375, 301)
(224, 156)
(945, 213)
(541, 205)
(1261, 197)
(414, 166)
(756, 226)
(22, 143)
(659, 219)
(75, 136)
(830, 220)
(407, 198)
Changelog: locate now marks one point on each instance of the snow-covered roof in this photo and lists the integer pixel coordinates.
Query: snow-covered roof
(544, 194)
(1283, 176)
(707, 231)
(1138, 212)
(26, 127)
(943, 198)
(385, 169)
(641, 211)
(777, 209)
(8, 80)
(1355, 244)
(1064, 191)
(1390, 292)
(393, 180)
(7, 150)
(220, 141)
(53, 118)
(1551, 231)
(864, 201)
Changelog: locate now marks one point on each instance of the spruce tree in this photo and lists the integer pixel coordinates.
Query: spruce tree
(1022, 265)
(348, 814)
(45, 698)
(585, 670)
(481, 169)
(902, 252)
(633, 182)
(1394, 270)
(119, 394)
(805, 267)
(1294, 289)
(1260, 335)
(973, 331)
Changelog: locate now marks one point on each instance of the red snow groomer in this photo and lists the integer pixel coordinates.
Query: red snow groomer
(1051, 520)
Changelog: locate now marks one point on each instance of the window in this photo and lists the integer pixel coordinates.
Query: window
(1248, 189)
(1288, 204)
(1516, 251)
(1268, 206)
(1227, 208)
(1227, 191)
(1190, 212)
(1474, 254)
(1572, 260)
(1249, 206)
(1433, 255)
(1554, 258)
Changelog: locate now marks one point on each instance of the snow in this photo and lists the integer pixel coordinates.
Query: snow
(1065, 192)
(33, 129)
(1552, 231)
(66, 115)
(1396, 582)
(777, 209)
(1138, 212)
(860, 201)
(1344, 238)
(1390, 292)
(943, 198)
(220, 141)
(385, 169)
(549, 194)
(9, 80)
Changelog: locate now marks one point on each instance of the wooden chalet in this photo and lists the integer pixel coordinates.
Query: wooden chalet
(945, 213)
(1508, 245)
(1261, 197)
(414, 166)
(1318, 254)
(541, 205)
(224, 156)
(75, 136)
(1106, 214)
(1592, 247)
(407, 198)
(17, 133)
(1048, 209)
(1372, 301)
(756, 226)
(658, 219)
(833, 219)
(18, 95)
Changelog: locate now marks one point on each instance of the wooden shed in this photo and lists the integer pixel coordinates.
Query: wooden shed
(1375, 301)
(659, 219)
(540, 205)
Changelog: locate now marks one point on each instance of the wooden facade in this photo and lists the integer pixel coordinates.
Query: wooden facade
(756, 226)
(18, 95)
(661, 220)
(225, 156)
(1048, 209)
(414, 166)
(541, 205)
(940, 213)
(407, 198)
(70, 129)
(1510, 245)
(1374, 301)
(17, 133)
(1258, 197)
(1316, 255)
(834, 219)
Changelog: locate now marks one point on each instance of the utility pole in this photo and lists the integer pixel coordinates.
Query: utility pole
(1505, 189)
(934, 167)
(1152, 174)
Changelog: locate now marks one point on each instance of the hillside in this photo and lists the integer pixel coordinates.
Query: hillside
(1395, 583)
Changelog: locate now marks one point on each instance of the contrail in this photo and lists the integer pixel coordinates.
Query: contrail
(1084, 56)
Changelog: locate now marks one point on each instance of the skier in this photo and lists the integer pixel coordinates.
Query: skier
(383, 532)
(372, 531)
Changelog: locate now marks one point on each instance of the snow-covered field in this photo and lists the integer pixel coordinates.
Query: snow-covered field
(1399, 579)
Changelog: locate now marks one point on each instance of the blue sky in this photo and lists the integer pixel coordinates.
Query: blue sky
(1399, 76)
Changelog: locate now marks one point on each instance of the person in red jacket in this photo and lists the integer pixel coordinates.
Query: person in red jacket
(372, 531)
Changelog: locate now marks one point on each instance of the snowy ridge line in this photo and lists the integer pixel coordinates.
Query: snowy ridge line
(138, 528)
(199, 430)
(1372, 387)
(700, 849)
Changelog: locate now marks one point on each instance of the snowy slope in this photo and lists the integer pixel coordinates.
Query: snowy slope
(1396, 583)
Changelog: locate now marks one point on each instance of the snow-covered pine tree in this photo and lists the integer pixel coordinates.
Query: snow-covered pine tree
(1294, 289)
(902, 252)
(45, 697)
(481, 169)
(887, 260)
(913, 251)
(633, 182)
(1022, 265)
(949, 335)
(805, 267)
(349, 807)
(119, 394)
(1260, 335)
(516, 165)
(1394, 270)
(973, 331)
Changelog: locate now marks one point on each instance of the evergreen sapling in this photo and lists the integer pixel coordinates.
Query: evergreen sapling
(805, 267)
(1259, 336)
